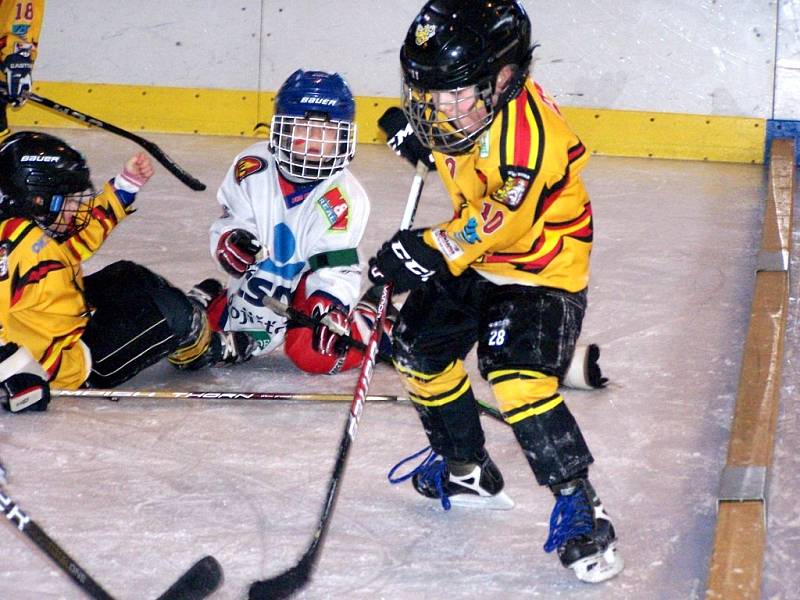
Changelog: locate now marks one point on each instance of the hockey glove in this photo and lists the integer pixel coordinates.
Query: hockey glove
(17, 67)
(236, 251)
(401, 138)
(23, 384)
(406, 261)
(324, 340)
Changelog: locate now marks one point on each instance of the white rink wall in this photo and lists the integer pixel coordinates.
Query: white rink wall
(710, 57)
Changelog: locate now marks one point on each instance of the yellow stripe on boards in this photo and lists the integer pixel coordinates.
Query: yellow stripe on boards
(237, 112)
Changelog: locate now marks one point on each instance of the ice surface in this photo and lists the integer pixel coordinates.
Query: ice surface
(137, 490)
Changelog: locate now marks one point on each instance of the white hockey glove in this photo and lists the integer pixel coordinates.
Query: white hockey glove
(23, 381)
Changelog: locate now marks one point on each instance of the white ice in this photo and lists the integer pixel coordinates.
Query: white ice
(138, 490)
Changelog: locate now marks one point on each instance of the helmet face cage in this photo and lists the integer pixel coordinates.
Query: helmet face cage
(314, 148)
(449, 121)
(67, 214)
(313, 134)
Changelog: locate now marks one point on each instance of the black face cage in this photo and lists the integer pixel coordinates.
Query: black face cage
(452, 130)
(64, 215)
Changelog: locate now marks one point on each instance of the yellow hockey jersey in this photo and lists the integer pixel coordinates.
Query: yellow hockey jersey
(42, 306)
(21, 22)
(522, 214)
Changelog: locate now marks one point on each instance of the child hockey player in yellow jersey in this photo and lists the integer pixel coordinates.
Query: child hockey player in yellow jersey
(59, 327)
(20, 24)
(509, 271)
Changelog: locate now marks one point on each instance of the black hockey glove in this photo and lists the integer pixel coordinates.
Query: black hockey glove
(23, 387)
(401, 138)
(236, 251)
(17, 67)
(406, 261)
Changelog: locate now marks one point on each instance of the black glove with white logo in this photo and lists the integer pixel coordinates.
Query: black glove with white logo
(406, 261)
(401, 138)
(17, 68)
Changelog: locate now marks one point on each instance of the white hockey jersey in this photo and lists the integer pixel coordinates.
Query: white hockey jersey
(300, 228)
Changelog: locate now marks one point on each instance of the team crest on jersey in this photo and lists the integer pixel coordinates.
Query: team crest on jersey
(335, 208)
(4, 252)
(513, 190)
(423, 33)
(247, 165)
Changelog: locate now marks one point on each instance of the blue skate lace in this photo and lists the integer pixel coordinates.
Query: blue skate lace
(430, 471)
(571, 517)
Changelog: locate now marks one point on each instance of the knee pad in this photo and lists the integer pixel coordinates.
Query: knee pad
(522, 393)
(435, 389)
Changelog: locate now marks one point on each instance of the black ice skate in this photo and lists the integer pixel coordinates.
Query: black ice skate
(205, 292)
(472, 484)
(582, 533)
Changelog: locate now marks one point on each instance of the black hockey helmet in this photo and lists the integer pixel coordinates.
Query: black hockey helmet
(45, 179)
(452, 45)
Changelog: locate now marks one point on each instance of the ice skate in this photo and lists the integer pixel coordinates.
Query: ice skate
(205, 292)
(472, 484)
(582, 533)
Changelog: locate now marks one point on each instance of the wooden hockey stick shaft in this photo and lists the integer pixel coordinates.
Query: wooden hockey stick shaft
(153, 149)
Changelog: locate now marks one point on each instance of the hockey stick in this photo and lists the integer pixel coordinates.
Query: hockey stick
(203, 578)
(116, 395)
(154, 150)
(290, 581)
(215, 395)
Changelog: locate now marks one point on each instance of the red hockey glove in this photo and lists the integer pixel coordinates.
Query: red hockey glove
(324, 340)
(236, 251)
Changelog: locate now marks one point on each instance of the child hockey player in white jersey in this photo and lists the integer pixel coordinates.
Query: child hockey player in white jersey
(292, 218)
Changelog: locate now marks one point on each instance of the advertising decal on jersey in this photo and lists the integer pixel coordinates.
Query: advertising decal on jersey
(4, 252)
(248, 165)
(447, 245)
(514, 189)
(335, 208)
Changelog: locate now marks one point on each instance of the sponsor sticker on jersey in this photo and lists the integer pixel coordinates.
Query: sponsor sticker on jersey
(514, 189)
(4, 252)
(20, 29)
(447, 245)
(248, 165)
(335, 208)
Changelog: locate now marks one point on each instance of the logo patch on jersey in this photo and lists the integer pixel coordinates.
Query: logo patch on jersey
(4, 252)
(335, 208)
(423, 33)
(514, 190)
(248, 165)
(469, 234)
(448, 246)
(20, 29)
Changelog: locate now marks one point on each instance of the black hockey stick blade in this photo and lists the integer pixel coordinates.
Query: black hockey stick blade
(199, 582)
(154, 150)
(286, 584)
